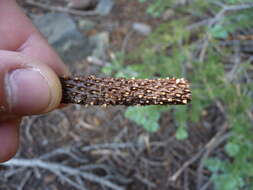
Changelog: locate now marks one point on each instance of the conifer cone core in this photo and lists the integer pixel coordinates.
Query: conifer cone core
(92, 90)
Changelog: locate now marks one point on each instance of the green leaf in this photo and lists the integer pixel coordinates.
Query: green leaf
(229, 181)
(107, 70)
(147, 116)
(218, 31)
(232, 149)
(214, 164)
(181, 134)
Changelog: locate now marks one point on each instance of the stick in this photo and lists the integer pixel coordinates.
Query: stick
(120, 91)
(62, 9)
(62, 171)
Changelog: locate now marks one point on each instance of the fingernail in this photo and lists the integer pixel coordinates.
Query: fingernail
(28, 92)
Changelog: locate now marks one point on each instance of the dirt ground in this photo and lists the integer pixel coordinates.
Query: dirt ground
(103, 150)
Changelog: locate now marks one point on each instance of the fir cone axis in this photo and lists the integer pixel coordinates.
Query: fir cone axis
(92, 90)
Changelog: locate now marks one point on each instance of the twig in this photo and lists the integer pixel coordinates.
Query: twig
(227, 8)
(30, 121)
(209, 146)
(61, 151)
(24, 181)
(145, 181)
(62, 177)
(198, 24)
(62, 9)
(204, 48)
(186, 180)
(204, 187)
(108, 146)
(236, 62)
(238, 7)
(125, 41)
(186, 165)
(62, 170)
(10, 172)
(218, 18)
(215, 141)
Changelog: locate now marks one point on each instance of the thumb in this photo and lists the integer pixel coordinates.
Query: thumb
(26, 86)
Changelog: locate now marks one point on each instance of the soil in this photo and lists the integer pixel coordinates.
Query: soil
(145, 161)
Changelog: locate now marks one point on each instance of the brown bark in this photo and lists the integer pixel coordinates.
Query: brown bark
(120, 91)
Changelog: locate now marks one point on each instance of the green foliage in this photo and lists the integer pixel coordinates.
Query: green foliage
(147, 116)
(115, 66)
(180, 114)
(230, 24)
(232, 149)
(156, 8)
(171, 51)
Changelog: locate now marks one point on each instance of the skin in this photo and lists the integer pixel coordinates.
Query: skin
(29, 70)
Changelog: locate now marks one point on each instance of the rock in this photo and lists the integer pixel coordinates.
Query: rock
(81, 4)
(63, 34)
(104, 7)
(141, 28)
(86, 25)
(73, 46)
(57, 28)
(181, 2)
(101, 7)
(100, 42)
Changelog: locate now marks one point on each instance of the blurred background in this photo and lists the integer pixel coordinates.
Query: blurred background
(206, 145)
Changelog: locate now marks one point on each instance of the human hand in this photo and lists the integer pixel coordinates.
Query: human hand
(28, 75)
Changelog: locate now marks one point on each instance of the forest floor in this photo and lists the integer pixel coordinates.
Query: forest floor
(97, 148)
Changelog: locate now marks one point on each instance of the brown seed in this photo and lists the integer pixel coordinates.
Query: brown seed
(68, 85)
(184, 101)
(182, 86)
(76, 79)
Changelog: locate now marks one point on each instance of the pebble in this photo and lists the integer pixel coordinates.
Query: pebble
(142, 28)
(104, 7)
